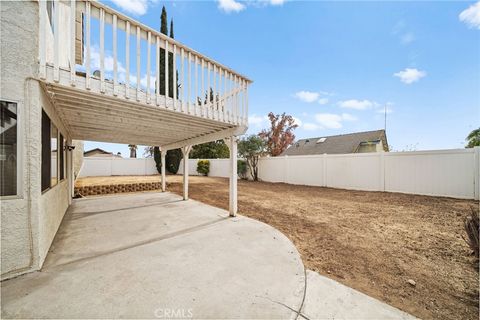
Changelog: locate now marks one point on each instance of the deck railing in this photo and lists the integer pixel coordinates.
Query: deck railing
(201, 86)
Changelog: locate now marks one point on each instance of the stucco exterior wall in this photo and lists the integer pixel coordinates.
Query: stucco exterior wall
(53, 202)
(30, 219)
(18, 54)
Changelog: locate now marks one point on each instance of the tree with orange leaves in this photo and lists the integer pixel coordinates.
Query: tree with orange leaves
(280, 135)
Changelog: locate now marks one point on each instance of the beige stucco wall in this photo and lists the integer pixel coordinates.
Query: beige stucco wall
(18, 53)
(30, 219)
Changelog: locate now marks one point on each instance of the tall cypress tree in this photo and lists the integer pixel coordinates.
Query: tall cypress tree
(173, 157)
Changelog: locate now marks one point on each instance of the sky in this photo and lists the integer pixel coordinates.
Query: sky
(337, 66)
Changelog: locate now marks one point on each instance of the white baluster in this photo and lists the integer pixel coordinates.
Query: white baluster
(214, 104)
(246, 102)
(166, 73)
(182, 82)
(174, 73)
(220, 97)
(127, 60)
(157, 71)
(209, 86)
(189, 81)
(202, 102)
(42, 45)
(138, 63)
(149, 41)
(115, 56)
(87, 58)
(56, 43)
(102, 50)
(73, 10)
(224, 105)
(196, 87)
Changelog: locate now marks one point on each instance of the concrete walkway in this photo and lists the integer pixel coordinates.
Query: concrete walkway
(152, 255)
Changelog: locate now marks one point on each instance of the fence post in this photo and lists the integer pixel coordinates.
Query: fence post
(476, 173)
(382, 171)
(324, 166)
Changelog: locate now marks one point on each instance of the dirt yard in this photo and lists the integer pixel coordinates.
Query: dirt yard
(371, 241)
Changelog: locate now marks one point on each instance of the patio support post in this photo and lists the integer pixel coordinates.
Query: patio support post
(70, 174)
(185, 151)
(164, 182)
(232, 144)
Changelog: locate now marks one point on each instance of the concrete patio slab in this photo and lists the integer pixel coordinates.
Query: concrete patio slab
(328, 299)
(152, 255)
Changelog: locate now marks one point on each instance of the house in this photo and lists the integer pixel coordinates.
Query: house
(51, 99)
(358, 142)
(97, 152)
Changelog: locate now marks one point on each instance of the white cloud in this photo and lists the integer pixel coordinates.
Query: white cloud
(307, 96)
(471, 16)
(410, 75)
(356, 104)
(323, 100)
(138, 7)
(311, 126)
(257, 121)
(407, 38)
(230, 6)
(348, 117)
(276, 2)
(329, 120)
(332, 121)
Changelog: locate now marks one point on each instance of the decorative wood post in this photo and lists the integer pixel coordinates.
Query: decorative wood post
(232, 144)
(185, 151)
(164, 182)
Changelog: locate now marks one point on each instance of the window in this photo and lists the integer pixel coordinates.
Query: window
(8, 148)
(46, 151)
(54, 154)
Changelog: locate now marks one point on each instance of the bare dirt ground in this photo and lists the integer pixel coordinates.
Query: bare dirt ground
(371, 241)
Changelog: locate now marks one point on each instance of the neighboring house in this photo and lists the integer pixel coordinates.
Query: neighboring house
(50, 100)
(359, 142)
(97, 152)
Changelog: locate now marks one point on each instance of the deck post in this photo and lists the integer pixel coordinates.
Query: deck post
(164, 182)
(70, 174)
(185, 151)
(232, 144)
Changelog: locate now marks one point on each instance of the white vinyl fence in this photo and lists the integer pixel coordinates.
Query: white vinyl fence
(451, 173)
(112, 166)
(218, 167)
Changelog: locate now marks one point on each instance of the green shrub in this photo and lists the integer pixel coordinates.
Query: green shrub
(242, 169)
(203, 167)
